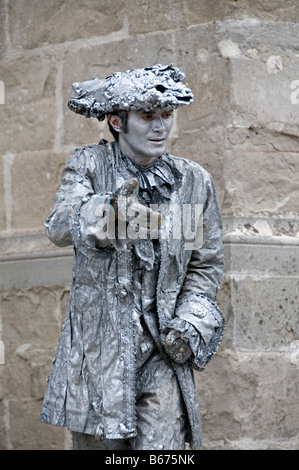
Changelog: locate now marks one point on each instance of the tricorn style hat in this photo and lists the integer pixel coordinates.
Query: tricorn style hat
(147, 88)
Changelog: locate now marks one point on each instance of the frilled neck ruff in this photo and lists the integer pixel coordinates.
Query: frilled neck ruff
(156, 184)
(159, 173)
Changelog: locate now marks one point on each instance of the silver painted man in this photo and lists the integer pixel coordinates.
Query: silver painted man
(147, 235)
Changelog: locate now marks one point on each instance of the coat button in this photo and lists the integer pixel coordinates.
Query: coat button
(122, 293)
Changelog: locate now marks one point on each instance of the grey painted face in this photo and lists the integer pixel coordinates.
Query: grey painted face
(146, 135)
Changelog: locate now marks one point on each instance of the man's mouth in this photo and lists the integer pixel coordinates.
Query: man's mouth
(157, 140)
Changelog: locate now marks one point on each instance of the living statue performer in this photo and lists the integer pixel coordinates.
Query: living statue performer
(142, 313)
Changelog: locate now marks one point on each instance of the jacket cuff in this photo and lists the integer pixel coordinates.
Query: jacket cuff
(207, 326)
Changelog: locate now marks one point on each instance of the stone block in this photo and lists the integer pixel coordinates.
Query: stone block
(265, 311)
(263, 230)
(2, 31)
(256, 39)
(35, 176)
(37, 24)
(248, 395)
(26, 430)
(29, 114)
(204, 146)
(31, 323)
(261, 89)
(146, 17)
(32, 317)
(262, 71)
(28, 271)
(206, 75)
(259, 294)
(262, 259)
(2, 198)
(267, 10)
(14, 243)
(4, 438)
(38, 363)
(259, 173)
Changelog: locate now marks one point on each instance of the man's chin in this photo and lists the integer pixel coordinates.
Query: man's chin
(157, 148)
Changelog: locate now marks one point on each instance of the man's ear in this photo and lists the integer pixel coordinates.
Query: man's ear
(115, 122)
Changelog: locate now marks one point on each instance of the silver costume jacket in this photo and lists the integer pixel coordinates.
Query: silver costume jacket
(91, 386)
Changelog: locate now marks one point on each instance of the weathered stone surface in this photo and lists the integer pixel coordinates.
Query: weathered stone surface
(254, 396)
(151, 16)
(2, 198)
(205, 146)
(260, 288)
(29, 433)
(255, 38)
(12, 243)
(26, 315)
(25, 272)
(38, 23)
(262, 230)
(31, 321)
(35, 176)
(205, 74)
(2, 31)
(28, 117)
(261, 88)
(265, 312)
(270, 185)
(4, 425)
(258, 259)
(267, 10)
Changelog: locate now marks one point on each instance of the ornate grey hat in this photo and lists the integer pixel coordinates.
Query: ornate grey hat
(147, 88)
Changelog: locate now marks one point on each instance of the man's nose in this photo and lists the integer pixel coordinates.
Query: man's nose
(158, 124)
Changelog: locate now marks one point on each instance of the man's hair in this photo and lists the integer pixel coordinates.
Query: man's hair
(123, 115)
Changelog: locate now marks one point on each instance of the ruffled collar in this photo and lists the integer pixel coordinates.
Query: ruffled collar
(157, 177)
(156, 184)
(154, 175)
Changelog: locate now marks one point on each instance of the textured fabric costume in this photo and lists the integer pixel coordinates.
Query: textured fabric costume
(125, 295)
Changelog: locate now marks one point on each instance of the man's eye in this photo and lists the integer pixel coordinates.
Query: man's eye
(167, 115)
(146, 117)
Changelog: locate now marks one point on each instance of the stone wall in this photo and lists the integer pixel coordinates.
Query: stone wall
(241, 61)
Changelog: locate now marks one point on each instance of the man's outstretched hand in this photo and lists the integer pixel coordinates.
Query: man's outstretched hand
(126, 204)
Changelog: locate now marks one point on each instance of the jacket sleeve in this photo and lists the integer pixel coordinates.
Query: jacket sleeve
(77, 209)
(197, 315)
